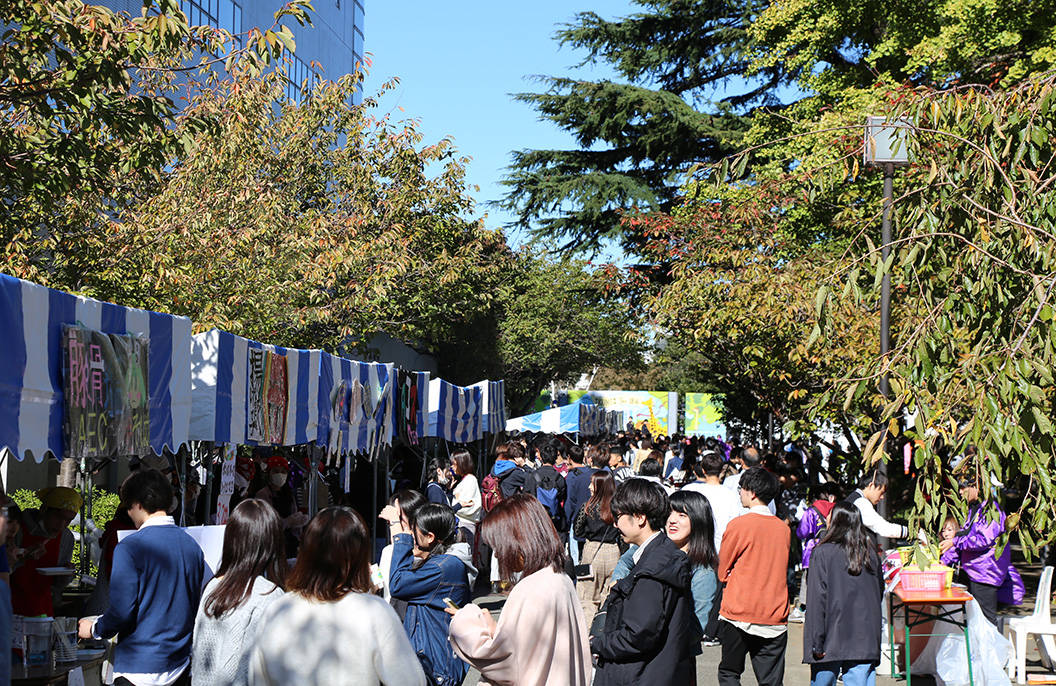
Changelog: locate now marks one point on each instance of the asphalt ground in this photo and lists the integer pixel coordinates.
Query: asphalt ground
(796, 672)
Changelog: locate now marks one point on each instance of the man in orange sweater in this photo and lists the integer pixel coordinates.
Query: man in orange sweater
(753, 616)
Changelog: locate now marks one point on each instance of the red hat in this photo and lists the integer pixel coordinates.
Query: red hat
(278, 462)
(824, 507)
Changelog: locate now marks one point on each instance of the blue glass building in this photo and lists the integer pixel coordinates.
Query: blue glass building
(334, 41)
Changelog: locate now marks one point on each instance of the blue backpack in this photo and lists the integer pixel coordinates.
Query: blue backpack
(547, 493)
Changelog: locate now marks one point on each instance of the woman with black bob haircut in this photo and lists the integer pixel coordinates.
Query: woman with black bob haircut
(251, 577)
(424, 577)
(541, 637)
(841, 631)
(330, 628)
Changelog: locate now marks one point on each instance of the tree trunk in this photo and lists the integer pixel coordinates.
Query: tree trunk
(68, 473)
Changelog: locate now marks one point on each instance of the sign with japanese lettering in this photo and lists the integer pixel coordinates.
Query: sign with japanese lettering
(105, 394)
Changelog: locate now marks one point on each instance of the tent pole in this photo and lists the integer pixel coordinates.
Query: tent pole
(374, 511)
(86, 494)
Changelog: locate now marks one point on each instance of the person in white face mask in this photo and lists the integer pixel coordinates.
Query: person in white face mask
(280, 496)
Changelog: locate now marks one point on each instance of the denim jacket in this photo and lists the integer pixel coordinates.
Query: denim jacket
(426, 623)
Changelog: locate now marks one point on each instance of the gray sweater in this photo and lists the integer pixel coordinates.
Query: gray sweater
(221, 646)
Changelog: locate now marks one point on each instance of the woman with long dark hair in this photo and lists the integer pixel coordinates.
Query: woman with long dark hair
(594, 523)
(540, 637)
(398, 513)
(466, 498)
(691, 527)
(330, 628)
(251, 577)
(423, 576)
(841, 632)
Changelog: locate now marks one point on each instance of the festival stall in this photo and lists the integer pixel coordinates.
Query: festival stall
(493, 404)
(83, 378)
(455, 412)
(250, 393)
(582, 417)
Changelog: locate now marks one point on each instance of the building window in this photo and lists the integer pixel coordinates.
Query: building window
(222, 14)
(297, 74)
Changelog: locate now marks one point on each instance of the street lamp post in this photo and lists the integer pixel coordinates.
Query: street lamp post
(885, 146)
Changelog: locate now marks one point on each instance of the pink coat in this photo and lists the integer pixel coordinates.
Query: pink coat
(540, 640)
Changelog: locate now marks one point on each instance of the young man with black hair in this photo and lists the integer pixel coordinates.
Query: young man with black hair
(651, 470)
(155, 588)
(753, 617)
(725, 505)
(621, 471)
(577, 483)
(548, 486)
(648, 636)
(871, 490)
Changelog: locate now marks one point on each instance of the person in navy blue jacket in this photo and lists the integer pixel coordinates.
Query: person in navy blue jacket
(155, 588)
(423, 576)
(578, 482)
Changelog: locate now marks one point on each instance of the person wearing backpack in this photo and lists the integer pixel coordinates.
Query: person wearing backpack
(506, 478)
(548, 486)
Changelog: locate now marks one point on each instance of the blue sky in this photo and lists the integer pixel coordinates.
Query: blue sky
(459, 61)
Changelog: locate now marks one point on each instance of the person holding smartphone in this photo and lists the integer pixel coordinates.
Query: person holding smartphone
(428, 580)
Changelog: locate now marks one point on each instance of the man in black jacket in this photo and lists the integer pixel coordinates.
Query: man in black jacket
(577, 482)
(648, 637)
(548, 486)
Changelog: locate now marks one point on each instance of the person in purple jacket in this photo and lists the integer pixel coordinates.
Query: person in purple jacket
(810, 530)
(990, 579)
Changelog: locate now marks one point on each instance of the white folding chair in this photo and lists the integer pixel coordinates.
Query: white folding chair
(1040, 625)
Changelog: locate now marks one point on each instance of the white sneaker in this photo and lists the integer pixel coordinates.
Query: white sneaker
(796, 616)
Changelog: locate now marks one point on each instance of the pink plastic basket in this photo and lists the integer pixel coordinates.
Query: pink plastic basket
(917, 580)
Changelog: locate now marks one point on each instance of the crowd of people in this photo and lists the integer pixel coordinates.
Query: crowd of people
(621, 561)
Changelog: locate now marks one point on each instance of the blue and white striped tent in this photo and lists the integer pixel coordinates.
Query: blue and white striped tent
(219, 371)
(455, 412)
(582, 417)
(352, 432)
(219, 390)
(493, 399)
(31, 385)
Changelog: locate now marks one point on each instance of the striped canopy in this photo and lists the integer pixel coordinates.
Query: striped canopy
(343, 386)
(320, 390)
(220, 390)
(31, 383)
(493, 400)
(455, 412)
(582, 417)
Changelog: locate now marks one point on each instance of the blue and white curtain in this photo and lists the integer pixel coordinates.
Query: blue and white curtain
(220, 369)
(31, 384)
(360, 398)
(493, 401)
(456, 413)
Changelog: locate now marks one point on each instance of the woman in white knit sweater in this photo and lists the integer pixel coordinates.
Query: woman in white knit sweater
(251, 577)
(329, 630)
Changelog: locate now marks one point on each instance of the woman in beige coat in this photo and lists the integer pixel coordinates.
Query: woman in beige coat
(541, 636)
